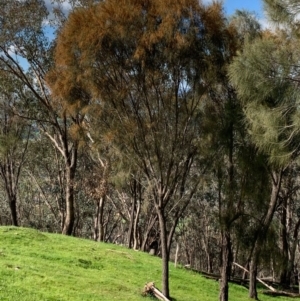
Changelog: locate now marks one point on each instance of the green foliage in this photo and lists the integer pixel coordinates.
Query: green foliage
(38, 266)
(283, 12)
(246, 25)
(265, 78)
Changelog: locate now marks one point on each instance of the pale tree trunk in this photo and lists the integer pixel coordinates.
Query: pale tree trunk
(98, 221)
(205, 243)
(101, 220)
(135, 226)
(71, 162)
(70, 212)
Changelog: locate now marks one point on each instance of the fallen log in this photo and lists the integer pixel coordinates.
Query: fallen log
(281, 293)
(262, 282)
(152, 290)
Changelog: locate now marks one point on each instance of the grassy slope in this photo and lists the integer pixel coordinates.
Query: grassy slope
(37, 266)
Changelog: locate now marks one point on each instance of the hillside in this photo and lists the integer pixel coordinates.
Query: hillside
(37, 266)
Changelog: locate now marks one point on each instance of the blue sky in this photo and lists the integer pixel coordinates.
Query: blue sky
(251, 5)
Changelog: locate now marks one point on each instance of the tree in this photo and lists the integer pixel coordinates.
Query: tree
(265, 76)
(147, 65)
(14, 139)
(26, 56)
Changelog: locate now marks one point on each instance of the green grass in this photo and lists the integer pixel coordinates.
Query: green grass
(37, 266)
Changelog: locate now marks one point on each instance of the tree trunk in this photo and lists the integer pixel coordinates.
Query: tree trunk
(13, 210)
(131, 222)
(226, 265)
(293, 252)
(101, 221)
(135, 226)
(98, 221)
(164, 252)
(262, 232)
(70, 212)
(10, 182)
(284, 277)
(253, 275)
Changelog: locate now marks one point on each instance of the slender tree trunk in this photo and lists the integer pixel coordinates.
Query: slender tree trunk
(131, 222)
(262, 232)
(10, 187)
(284, 278)
(253, 274)
(164, 252)
(70, 210)
(13, 210)
(101, 221)
(98, 221)
(225, 214)
(135, 226)
(226, 265)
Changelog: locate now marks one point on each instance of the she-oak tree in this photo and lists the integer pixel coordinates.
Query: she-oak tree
(147, 65)
(265, 76)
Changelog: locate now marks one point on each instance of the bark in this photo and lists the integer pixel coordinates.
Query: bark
(71, 161)
(293, 251)
(13, 210)
(11, 182)
(262, 232)
(101, 221)
(164, 252)
(226, 221)
(10, 173)
(252, 277)
(135, 226)
(226, 265)
(205, 243)
(98, 222)
(70, 212)
(131, 222)
(176, 254)
(284, 277)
